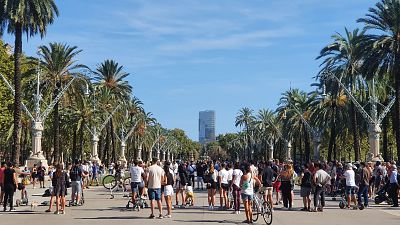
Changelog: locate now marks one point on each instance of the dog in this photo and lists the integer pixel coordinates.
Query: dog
(34, 204)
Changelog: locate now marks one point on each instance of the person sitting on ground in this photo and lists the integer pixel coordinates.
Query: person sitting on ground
(189, 193)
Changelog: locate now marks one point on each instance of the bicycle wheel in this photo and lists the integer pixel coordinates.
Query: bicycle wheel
(267, 214)
(127, 184)
(109, 182)
(256, 211)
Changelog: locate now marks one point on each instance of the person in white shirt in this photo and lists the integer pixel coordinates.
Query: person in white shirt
(137, 177)
(223, 186)
(236, 178)
(350, 185)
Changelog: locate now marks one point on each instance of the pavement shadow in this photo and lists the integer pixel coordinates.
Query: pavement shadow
(209, 221)
(111, 218)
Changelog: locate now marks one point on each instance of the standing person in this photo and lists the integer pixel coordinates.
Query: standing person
(211, 182)
(394, 186)
(267, 176)
(305, 188)
(75, 175)
(154, 178)
(95, 173)
(247, 184)
(192, 172)
(286, 186)
(137, 178)
(60, 180)
(277, 183)
(200, 176)
(168, 189)
(364, 184)
(349, 174)
(236, 178)
(40, 172)
(223, 187)
(321, 178)
(181, 186)
(2, 169)
(10, 183)
(34, 175)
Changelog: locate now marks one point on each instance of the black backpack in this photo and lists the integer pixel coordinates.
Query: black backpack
(73, 174)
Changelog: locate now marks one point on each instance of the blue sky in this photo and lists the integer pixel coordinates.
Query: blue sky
(186, 56)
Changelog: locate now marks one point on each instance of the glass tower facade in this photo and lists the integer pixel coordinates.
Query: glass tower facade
(206, 126)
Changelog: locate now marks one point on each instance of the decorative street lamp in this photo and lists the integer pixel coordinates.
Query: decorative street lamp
(374, 121)
(38, 119)
(123, 140)
(288, 146)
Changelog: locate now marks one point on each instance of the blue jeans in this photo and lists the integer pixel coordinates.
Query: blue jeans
(363, 191)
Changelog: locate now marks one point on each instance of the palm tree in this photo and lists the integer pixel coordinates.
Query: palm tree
(385, 55)
(344, 57)
(245, 119)
(59, 64)
(18, 17)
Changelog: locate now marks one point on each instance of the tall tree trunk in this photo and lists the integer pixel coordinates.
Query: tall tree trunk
(107, 147)
(385, 138)
(74, 144)
(301, 149)
(396, 127)
(307, 146)
(332, 137)
(16, 153)
(113, 152)
(356, 138)
(56, 125)
(79, 152)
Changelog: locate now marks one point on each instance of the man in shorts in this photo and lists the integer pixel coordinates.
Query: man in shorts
(350, 185)
(154, 177)
(223, 187)
(305, 188)
(2, 169)
(76, 175)
(267, 176)
(137, 177)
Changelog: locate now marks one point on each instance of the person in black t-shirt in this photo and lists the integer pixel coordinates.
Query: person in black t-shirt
(10, 183)
(267, 177)
(305, 190)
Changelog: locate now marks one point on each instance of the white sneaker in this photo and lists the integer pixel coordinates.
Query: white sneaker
(167, 216)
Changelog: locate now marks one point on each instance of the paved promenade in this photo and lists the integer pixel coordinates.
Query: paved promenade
(99, 209)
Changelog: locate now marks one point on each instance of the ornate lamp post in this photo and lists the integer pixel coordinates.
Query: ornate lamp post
(374, 120)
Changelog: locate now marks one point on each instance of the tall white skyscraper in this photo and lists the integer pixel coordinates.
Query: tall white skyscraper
(206, 126)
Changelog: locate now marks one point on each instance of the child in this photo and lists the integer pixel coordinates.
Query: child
(189, 193)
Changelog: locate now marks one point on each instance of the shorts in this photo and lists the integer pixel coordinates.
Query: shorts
(135, 186)
(268, 190)
(350, 190)
(168, 190)
(154, 194)
(225, 187)
(76, 187)
(246, 197)
(41, 178)
(199, 179)
(305, 191)
(212, 185)
(277, 186)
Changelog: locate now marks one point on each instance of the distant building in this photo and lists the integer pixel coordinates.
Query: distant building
(206, 126)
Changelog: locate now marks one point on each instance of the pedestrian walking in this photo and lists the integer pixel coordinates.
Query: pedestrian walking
(10, 183)
(321, 178)
(236, 178)
(247, 183)
(154, 178)
(168, 181)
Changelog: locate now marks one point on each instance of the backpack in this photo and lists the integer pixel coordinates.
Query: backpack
(73, 174)
(207, 177)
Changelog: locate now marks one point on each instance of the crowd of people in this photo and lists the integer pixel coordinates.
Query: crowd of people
(235, 183)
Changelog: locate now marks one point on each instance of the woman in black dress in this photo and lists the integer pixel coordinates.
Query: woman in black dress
(10, 182)
(60, 189)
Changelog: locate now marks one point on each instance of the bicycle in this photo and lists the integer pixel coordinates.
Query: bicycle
(117, 181)
(261, 207)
